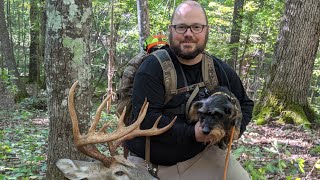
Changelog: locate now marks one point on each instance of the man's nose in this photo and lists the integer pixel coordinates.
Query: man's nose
(188, 32)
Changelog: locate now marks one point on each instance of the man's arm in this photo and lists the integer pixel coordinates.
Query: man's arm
(148, 83)
(246, 104)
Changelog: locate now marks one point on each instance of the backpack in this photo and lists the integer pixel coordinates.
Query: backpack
(124, 93)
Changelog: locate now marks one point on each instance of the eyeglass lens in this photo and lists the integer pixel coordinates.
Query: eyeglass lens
(181, 29)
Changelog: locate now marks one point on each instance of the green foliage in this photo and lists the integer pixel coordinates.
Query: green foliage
(315, 88)
(25, 143)
(275, 162)
(6, 79)
(23, 146)
(315, 150)
(32, 103)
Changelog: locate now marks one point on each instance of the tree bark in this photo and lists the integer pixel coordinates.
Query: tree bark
(43, 19)
(285, 92)
(111, 57)
(7, 52)
(235, 33)
(34, 62)
(67, 59)
(143, 21)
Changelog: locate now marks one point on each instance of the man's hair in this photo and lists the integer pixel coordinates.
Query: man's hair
(191, 3)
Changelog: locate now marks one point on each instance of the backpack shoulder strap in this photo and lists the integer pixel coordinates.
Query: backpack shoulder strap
(169, 73)
(209, 73)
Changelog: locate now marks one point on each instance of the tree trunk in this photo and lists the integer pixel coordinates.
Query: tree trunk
(67, 59)
(34, 62)
(111, 57)
(7, 52)
(235, 33)
(37, 30)
(285, 92)
(43, 19)
(143, 21)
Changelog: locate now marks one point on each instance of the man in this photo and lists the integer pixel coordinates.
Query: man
(181, 152)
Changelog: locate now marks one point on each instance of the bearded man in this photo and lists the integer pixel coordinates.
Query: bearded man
(183, 151)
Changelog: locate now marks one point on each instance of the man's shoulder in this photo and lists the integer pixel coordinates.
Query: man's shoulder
(219, 63)
(152, 59)
(150, 64)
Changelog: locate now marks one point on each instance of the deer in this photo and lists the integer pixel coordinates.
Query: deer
(115, 166)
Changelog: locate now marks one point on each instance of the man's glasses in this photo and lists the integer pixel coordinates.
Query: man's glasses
(182, 28)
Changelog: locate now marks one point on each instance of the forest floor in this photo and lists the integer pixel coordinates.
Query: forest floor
(277, 151)
(267, 152)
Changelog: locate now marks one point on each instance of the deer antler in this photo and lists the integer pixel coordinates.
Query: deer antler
(85, 143)
(138, 132)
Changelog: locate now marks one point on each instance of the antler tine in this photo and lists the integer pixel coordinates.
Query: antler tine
(85, 143)
(89, 150)
(72, 111)
(142, 113)
(148, 132)
(100, 137)
(98, 115)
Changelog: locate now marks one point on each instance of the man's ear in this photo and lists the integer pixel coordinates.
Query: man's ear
(193, 112)
(169, 29)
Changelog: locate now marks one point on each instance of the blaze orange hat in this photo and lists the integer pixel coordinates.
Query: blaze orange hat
(155, 40)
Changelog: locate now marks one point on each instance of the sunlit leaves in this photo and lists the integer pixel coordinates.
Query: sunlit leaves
(317, 165)
(250, 6)
(273, 159)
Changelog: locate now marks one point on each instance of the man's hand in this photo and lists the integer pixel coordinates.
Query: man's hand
(200, 137)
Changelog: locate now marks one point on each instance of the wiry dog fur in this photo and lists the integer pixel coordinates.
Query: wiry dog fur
(217, 115)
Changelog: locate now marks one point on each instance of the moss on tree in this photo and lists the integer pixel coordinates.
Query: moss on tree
(275, 109)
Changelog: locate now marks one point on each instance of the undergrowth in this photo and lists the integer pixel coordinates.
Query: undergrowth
(23, 149)
(23, 145)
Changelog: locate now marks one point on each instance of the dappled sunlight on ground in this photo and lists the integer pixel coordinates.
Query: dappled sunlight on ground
(285, 149)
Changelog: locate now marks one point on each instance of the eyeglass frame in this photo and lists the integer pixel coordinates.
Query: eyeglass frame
(188, 27)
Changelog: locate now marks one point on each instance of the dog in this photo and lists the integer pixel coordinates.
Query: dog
(217, 115)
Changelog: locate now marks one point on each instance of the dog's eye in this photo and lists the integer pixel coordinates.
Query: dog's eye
(227, 110)
(201, 115)
(218, 115)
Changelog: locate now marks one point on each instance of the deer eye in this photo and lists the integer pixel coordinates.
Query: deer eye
(119, 173)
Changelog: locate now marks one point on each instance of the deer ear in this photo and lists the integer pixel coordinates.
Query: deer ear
(72, 170)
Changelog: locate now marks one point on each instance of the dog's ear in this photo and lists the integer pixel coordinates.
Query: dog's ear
(193, 112)
(198, 104)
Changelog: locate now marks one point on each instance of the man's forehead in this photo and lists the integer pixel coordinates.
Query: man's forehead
(187, 14)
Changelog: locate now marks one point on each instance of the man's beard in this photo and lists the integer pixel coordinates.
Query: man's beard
(178, 51)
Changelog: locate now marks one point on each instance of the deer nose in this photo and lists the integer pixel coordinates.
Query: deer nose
(206, 130)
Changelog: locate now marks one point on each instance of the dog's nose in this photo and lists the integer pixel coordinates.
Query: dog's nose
(205, 130)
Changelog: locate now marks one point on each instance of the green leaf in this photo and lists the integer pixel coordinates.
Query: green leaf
(317, 165)
(272, 150)
(289, 178)
(301, 164)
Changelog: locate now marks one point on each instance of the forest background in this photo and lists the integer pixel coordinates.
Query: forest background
(47, 45)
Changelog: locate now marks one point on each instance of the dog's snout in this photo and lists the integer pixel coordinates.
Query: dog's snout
(205, 130)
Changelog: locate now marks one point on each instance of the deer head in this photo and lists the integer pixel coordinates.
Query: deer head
(112, 167)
